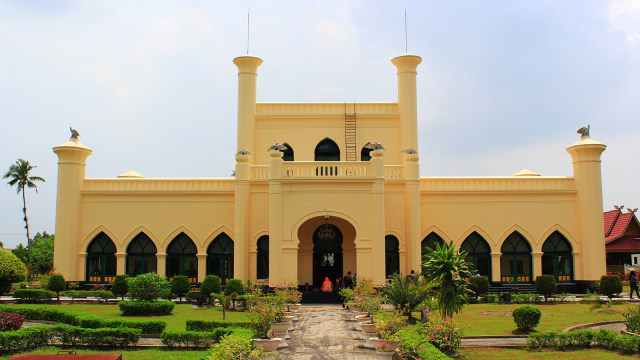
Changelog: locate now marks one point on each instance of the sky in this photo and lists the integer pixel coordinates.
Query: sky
(150, 85)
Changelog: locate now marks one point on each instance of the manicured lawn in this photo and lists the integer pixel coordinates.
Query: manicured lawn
(484, 319)
(511, 353)
(146, 354)
(177, 321)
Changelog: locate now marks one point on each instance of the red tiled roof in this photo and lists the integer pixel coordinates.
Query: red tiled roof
(618, 228)
(609, 219)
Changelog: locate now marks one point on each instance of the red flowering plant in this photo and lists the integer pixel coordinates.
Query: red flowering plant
(632, 316)
(442, 333)
(288, 291)
(261, 315)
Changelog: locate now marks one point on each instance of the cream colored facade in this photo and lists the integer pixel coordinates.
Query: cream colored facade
(372, 203)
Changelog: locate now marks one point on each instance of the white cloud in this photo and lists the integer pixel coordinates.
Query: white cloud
(625, 17)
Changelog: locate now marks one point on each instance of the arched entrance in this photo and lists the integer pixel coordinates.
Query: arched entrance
(327, 254)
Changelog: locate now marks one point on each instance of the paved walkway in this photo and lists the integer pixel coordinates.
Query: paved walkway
(323, 334)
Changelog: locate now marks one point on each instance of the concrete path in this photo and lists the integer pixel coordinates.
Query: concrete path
(323, 334)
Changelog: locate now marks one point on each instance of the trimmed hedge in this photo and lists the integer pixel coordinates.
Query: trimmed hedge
(76, 336)
(142, 308)
(526, 317)
(25, 339)
(605, 338)
(610, 285)
(32, 295)
(84, 320)
(546, 285)
(479, 285)
(201, 339)
(211, 325)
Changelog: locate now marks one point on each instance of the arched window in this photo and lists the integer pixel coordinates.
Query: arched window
(181, 258)
(287, 155)
(141, 256)
(101, 259)
(430, 242)
(557, 259)
(220, 258)
(263, 257)
(478, 252)
(392, 255)
(327, 150)
(515, 262)
(365, 154)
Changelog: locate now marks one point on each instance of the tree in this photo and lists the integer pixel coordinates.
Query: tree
(447, 267)
(180, 286)
(211, 284)
(479, 285)
(120, 287)
(406, 295)
(147, 287)
(546, 285)
(56, 283)
(41, 253)
(18, 174)
(12, 270)
(22, 253)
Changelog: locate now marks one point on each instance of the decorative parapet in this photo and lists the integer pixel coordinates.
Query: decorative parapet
(260, 172)
(151, 185)
(326, 169)
(393, 172)
(498, 184)
(323, 109)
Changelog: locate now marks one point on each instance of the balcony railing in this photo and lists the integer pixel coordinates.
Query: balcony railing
(149, 185)
(330, 169)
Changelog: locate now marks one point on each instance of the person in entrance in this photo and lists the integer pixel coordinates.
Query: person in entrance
(327, 285)
(348, 281)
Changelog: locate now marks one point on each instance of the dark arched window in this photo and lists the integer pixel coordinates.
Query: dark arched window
(365, 154)
(287, 155)
(101, 259)
(181, 258)
(392, 255)
(220, 258)
(141, 256)
(263, 257)
(557, 259)
(430, 242)
(515, 262)
(479, 253)
(327, 150)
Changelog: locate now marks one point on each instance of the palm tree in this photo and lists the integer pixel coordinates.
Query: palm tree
(406, 295)
(446, 266)
(19, 175)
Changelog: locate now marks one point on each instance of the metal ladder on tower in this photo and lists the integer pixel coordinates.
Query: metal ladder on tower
(350, 133)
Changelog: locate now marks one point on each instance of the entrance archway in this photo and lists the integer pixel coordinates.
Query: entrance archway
(327, 254)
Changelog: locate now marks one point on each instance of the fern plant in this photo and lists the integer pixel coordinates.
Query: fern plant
(406, 295)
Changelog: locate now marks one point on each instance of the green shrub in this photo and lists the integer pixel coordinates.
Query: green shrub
(413, 344)
(546, 285)
(490, 298)
(235, 347)
(110, 337)
(104, 295)
(526, 317)
(192, 295)
(604, 338)
(147, 287)
(180, 286)
(12, 270)
(25, 339)
(627, 343)
(32, 295)
(142, 308)
(479, 285)
(234, 286)
(211, 284)
(610, 285)
(525, 298)
(632, 315)
(56, 283)
(210, 325)
(120, 287)
(79, 294)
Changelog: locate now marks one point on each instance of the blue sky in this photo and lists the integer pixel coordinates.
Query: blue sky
(151, 87)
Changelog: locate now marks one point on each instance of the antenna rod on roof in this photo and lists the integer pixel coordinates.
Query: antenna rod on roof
(406, 36)
(247, 31)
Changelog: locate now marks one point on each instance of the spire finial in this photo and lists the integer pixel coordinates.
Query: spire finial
(248, 31)
(406, 35)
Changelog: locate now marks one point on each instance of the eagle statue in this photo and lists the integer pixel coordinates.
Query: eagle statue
(584, 131)
(374, 146)
(409, 151)
(243, 152)
(74, 134)
(277, 146)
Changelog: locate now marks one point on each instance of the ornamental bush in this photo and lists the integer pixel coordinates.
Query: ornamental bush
(12, 270)
(76, 336)
(234, 286)
(632, 315)
(25, 339)
(236, 346)
(142, 308)
(120, 287)
(610, 285)
(209, 325)
(32, 295)
(211, 284)
(56, 283)
(526, 317)
(201, 339)
(180, 286)
(10, 321)
(147, 287)
(414, 343)
(546, 285)
(479, 285)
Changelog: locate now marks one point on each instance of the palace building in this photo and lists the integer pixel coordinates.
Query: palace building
(343, 194)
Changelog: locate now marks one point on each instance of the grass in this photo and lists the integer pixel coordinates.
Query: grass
(555, 317)
(144, 354)
(523, 354)
(175, 322)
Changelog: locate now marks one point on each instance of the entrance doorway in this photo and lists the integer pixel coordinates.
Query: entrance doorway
(327, 254)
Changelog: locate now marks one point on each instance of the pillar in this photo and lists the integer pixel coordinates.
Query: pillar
(162, 263)
(121, 263)
(412, 211)
(407, 99)
(377, 258)
(276, 244)
(72, 157)
(589, 220)
(247, 78)
(495, 267)
(242, 221)
(202, 266)
(536, 262)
